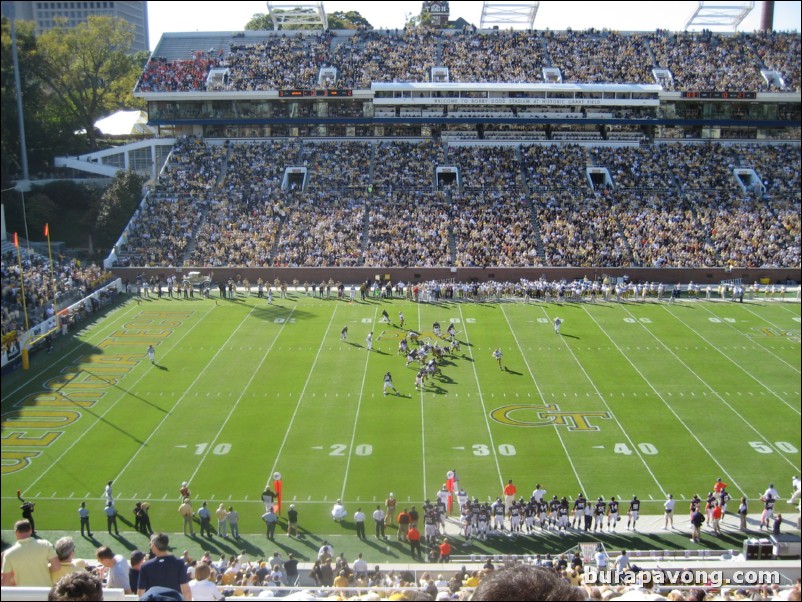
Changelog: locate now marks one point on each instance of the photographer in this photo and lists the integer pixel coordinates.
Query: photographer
(27, 514)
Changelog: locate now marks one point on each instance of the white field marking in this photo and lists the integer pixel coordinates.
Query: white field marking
(762, 318)
(481, 398)
(185, 393)
(114, 404)
(721, 398)
(246, 500)
(422, 422)
(301, 397)
(32, 378)
(356, 416)
(241, 395)
(540, 393)
(754, 343)
(661, 398)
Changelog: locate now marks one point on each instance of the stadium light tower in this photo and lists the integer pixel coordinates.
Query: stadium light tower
(715, 14)
(504, 14)
(297, 14)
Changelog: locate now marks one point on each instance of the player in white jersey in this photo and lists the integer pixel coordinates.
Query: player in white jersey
(669, 512)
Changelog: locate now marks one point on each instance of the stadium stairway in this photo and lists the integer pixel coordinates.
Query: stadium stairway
(366, 220)
(365, 234)
(452, 242)
(274, 248)
(538, 239)
(651, 54)
(190, 249)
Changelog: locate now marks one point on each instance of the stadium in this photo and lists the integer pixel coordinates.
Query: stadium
(454, 268)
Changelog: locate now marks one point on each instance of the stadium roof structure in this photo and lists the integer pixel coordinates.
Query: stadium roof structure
(508, 14)
(311, 13)
(714, 14)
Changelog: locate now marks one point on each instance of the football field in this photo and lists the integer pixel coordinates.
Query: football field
(629, 399)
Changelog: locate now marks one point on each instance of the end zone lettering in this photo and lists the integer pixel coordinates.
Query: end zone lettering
(38, 419)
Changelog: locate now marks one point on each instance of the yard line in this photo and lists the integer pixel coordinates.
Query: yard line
(753, 341)
(247, 500)
(356, 417)
(606, 405)
(481, 396)
(109, 409)
(661, 398)
(33, 377)
(787, 307)
(715, 393)
(744, 370)
(540, 393)
(301, 396)
(763, 318)
(186, 391)
(242, 394)
(422, 423)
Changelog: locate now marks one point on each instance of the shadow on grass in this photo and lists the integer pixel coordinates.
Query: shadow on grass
(119, 388)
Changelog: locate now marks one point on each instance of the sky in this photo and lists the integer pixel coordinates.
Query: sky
(623, 16)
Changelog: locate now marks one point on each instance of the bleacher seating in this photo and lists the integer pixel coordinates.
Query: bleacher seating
(678, 205)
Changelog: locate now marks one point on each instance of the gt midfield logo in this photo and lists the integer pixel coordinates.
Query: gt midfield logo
(546, 415)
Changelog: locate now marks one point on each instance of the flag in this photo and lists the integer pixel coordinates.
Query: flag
(450, 487)
(16, 240)
(277, 486)
(47, 230)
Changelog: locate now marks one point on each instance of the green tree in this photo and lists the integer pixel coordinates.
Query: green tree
(337, 20)
(32, 98)
(350, 20)
(40, 210)
(260, 22)
(89, 69)
(421, 21)
(116, 206)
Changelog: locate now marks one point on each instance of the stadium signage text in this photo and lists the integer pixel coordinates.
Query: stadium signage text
(569, 102)
(546, 415)
(678, 577)
(37, 420)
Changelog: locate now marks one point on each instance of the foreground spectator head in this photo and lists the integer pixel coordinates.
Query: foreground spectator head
(23, 529)
(161, 542)
(65, 548)
(79, 586)
(525, 583)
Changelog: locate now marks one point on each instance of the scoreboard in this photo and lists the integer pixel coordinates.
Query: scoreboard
(308, 92)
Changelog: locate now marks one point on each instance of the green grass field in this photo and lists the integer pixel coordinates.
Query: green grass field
(632, 398)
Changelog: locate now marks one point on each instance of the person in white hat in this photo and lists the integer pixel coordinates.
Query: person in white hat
(338, 512)
(390, 504)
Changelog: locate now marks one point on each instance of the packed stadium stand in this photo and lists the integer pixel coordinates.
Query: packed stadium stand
(385, 205)
(472, 148)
